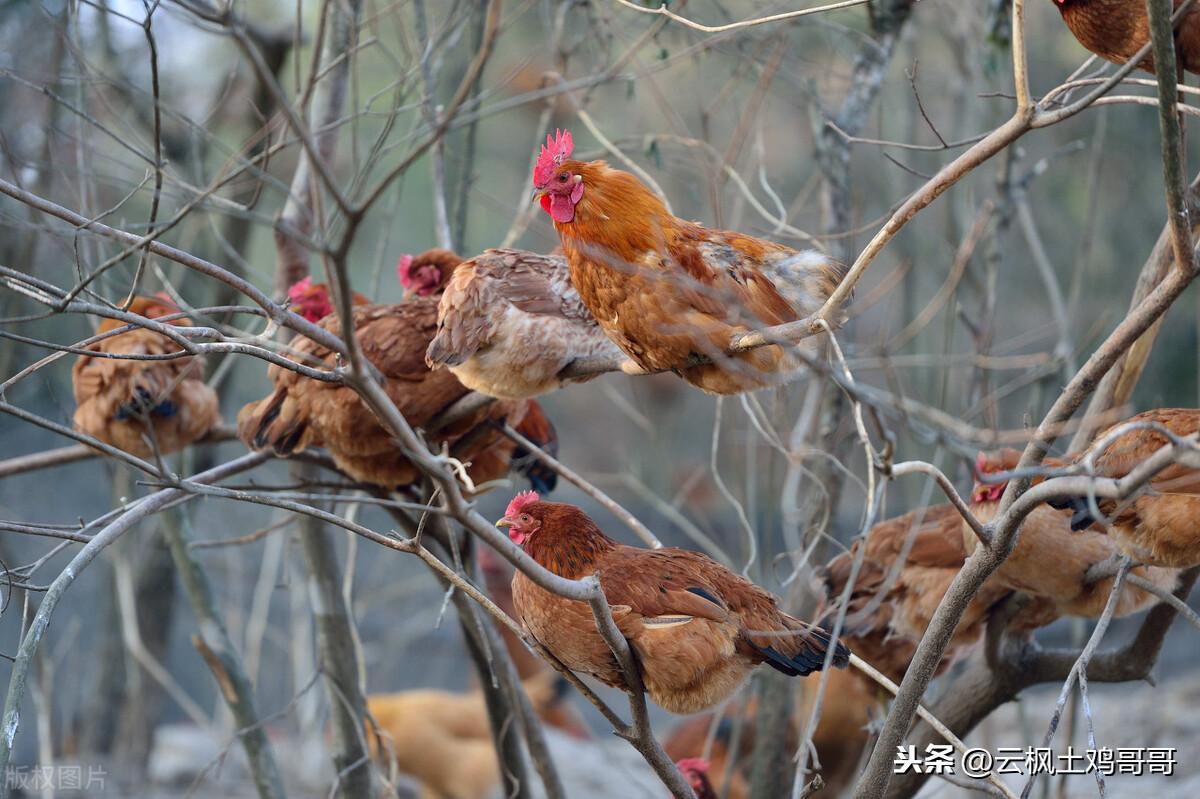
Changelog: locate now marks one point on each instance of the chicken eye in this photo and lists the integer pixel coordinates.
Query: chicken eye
(562, 178)
(525, 518)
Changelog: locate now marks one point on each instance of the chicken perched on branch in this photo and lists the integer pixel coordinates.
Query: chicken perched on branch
(899, 586)
(697, 629)
(1050, 561)
(130, 403)
(1116, 29)
(302, 412)
(672, 294)
(1159, 524)
(510, 322)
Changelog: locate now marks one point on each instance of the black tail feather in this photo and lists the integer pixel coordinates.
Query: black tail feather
(1082, 517)
(811, 656)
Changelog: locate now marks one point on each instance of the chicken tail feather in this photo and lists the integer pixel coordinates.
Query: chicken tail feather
(273, 424)
(810, 654)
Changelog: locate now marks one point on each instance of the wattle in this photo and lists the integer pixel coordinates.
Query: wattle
(562, 209)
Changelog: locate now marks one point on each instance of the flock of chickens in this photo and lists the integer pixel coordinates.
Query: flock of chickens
(635, 285)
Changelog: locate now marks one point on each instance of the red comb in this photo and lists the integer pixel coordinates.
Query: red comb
(404, 269)
(697, 764)
(299, 288)
(554, 151)
(981, 463)
(519, 502)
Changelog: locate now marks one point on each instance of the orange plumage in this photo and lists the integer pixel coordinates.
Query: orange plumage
(510, 322)
(1158, 525)
(670, 293)
(444, 740)
(1116, 29)
(697, 628)
(1048, 560)
(126, 403)
(302, 412)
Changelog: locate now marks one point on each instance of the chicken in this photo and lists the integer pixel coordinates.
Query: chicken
(1116, 29)
(1158, 525)
(672, 293)
(840, 737)
(129, 403)
(312, 300)
(510, 321)
(688, 741)
(888, 613)
(1050, 561)
(497, 576)
(302, 412)
(696, 628)
(444, 740)
(696, 771)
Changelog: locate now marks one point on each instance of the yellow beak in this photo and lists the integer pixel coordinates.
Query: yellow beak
(537, 195)
(505, 523)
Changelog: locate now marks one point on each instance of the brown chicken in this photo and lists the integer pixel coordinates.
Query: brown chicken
(697, 628)
(671, 294)
(1116, 29)
(302, 412)
(840, 737)
(443, 739)
(1158, 525)
(888, 613)
(510, 321)
(129, 403)
(696, 771)
(1050, 561)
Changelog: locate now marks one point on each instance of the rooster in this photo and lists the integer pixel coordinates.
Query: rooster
(302, 412)
(1158, 525)
(1116, 29)
(696, 628)
(1048, 560)
(510, 322)
(672, 293)
(129, 403)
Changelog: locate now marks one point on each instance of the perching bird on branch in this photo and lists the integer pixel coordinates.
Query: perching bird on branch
(510, 321)
(1050, 561)
(1158, 524)
(696, 628)
(302, 412)
(896, 591)
(126, 403)
(672, 293)
(1116, 29)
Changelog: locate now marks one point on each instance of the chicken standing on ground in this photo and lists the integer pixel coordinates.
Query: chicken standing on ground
(444, 740)
(1160, 524)
(127, 403)
(302, 412)
(1116, 29)
(697, 629)
(510, 322)
(672, 294)
(1050, 561)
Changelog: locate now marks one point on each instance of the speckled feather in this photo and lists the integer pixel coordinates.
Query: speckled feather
(108, 389)
(510, 321)
(697, 628)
